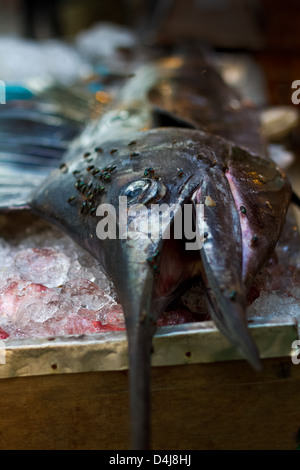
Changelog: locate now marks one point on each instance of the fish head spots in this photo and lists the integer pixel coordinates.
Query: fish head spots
(143, 191)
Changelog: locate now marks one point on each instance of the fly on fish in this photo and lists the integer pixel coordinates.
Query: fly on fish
(172, 149)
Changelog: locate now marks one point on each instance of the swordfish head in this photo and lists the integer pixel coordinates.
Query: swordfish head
(228, 209)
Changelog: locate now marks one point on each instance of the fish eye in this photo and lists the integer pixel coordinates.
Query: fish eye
(144, 191)
(136, 188)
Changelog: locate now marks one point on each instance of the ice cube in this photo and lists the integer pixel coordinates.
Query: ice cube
(43, 266)
(113, 318)
(16, 294)
(87, 295)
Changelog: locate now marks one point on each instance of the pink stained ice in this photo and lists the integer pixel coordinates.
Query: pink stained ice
(78, 307)
(51, 287)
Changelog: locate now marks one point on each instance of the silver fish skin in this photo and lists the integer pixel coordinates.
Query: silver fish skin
(178, 140)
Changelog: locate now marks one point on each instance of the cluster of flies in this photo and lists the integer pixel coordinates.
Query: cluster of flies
(89, 190)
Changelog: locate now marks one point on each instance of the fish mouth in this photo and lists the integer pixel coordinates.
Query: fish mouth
(154, 271)
(221, 279)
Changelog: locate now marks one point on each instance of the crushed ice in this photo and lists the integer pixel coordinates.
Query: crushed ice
(49, 286)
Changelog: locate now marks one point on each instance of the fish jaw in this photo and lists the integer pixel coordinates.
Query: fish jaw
(221, 264)
(133, 279)
(261, 194)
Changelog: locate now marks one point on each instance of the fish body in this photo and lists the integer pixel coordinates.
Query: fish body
(149, 152)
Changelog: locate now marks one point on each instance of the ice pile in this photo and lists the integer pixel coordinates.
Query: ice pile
(49, 287)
